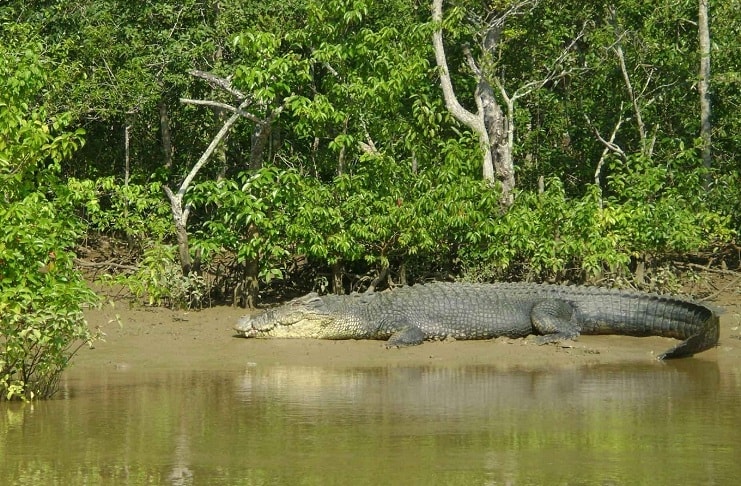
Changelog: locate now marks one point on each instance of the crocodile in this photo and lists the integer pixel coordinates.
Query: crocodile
(409, 315)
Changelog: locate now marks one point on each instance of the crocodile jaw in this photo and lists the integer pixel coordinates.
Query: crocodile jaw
(296, 324)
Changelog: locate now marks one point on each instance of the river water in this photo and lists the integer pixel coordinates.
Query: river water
(662, 423)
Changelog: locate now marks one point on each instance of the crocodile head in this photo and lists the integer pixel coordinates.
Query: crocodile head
(304, 317)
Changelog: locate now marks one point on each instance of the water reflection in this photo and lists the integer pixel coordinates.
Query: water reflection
(471, 392)
(658, 424)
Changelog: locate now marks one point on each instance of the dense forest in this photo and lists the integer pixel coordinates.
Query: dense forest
(205, 151)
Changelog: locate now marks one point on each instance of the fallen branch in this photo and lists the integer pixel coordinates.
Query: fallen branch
(108, 264)
(697, 266)
(715, 294)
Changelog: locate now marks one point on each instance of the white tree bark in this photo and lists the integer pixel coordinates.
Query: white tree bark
(636, 98)
(179, 213)
(703, 85)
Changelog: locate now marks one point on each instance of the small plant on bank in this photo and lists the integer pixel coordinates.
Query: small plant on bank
(159, 280)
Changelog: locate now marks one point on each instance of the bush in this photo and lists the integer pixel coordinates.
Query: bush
(136, 213)
(41, 321)
(441, 223)
(41, 295)
(159, 280)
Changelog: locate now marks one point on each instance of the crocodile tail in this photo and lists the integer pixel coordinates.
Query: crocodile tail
(706, 338)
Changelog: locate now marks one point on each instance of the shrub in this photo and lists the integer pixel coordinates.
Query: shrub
(41, 295)
(159, 280)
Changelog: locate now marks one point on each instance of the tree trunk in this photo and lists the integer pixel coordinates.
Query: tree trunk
(251, 283)
(127, 153)
(259, 141)
(647, 145)
(499, 149)
(180, 219)
(489, 123)
(220, 153)
(180, 213)
(166, 134)
(181, 231)
(337, 275)
(703, 85)
(248, 289)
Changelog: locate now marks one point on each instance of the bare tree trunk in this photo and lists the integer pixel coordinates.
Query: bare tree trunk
(647, 146)
(259, 141)
(338, 272)
(499, 151)
(179, 212)
(626, 77)
(341, 156)
(703, 85)
(181, 232)
(127, 153)
(127, 159)
(251, 283)
(220, 156)
(165, 133)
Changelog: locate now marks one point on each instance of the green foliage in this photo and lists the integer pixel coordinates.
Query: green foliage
(550, 236)
(367, 68)
(365, 168)
(41, 323)
(41, 295)
(248, 217)
(137, 213)
(159, 280)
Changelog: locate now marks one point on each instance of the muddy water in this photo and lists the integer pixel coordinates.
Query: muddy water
(673, 423)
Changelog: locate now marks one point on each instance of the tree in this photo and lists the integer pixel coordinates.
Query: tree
(489, 123)
(703, 84)
(180, 213)
(261, 132)
(345, 109)
(494, 125)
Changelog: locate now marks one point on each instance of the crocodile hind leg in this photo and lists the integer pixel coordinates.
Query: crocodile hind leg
(552, 318)
(407, 336)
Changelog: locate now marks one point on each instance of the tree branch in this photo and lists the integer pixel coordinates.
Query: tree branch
(554, 73)
(451, 101)
(470, 61)
(618, 48)
(610, 144)
(223, 83)
(703, 84)
(494, 23)
(205, 156)
(223, 106)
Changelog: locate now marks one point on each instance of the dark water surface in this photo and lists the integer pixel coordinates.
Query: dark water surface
(664, 423)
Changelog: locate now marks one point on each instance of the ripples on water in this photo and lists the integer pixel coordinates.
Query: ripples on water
(664, 423)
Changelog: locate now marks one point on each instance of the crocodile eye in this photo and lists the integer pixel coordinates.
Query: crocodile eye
(313, 301)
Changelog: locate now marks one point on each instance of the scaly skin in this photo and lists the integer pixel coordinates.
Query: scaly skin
(410, 315)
